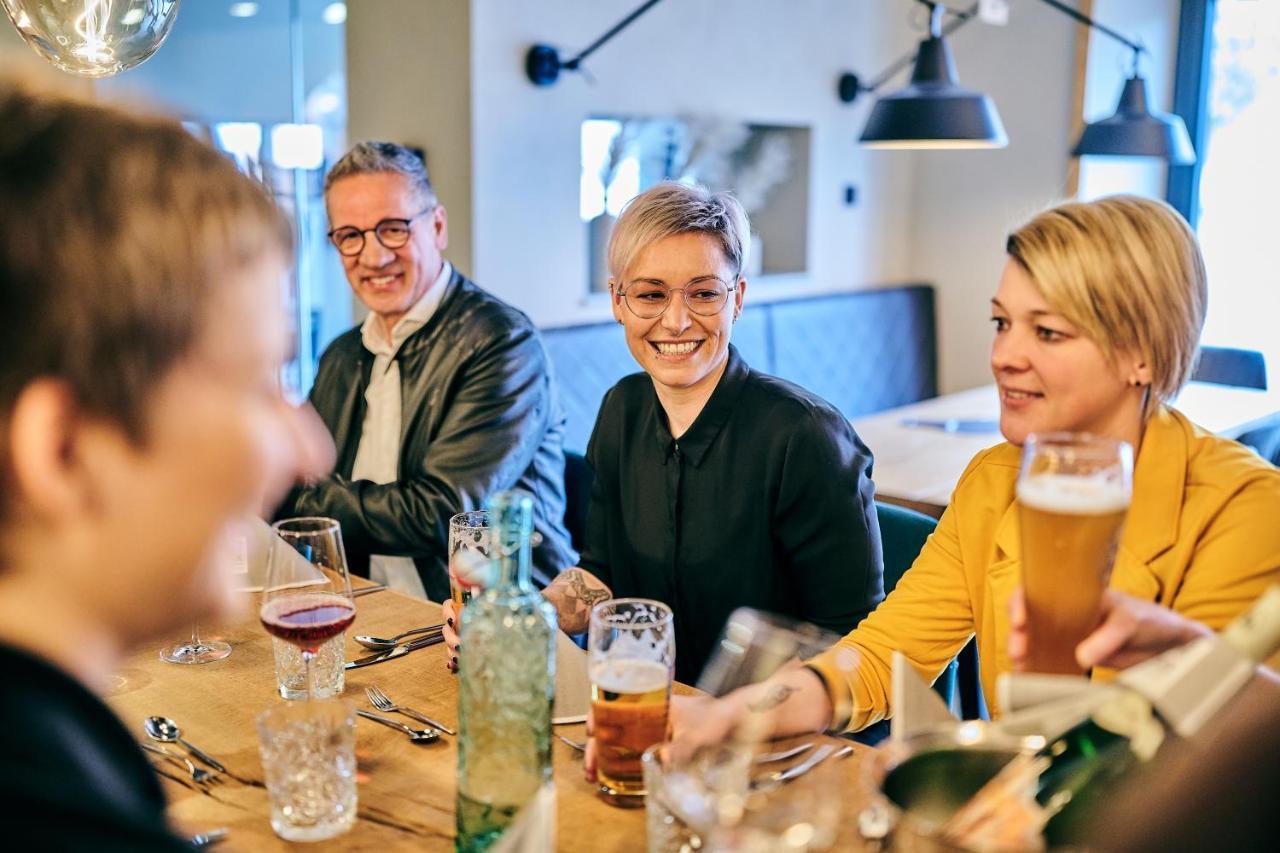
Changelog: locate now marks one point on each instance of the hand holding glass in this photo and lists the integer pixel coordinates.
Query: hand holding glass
(470, 563)
(1073, 494)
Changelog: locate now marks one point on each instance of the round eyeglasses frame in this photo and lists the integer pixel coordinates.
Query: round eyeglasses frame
(647, 312)
(338, 235)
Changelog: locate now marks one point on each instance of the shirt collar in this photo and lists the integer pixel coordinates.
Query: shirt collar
(698, 439)
(413, 320)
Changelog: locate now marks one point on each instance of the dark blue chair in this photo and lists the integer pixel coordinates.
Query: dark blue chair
(578, 477)
(902, 536)
(1239, 368)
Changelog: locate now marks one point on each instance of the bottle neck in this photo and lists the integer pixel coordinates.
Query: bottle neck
(511, 517)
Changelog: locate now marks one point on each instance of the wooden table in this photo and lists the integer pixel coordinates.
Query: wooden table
(406, 792)
(919, 466)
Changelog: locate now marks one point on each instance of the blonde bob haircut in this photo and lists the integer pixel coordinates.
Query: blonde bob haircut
(671, 208)
(1127, 272)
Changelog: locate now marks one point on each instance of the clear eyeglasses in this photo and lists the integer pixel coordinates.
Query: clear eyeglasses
(704, 296)
(391, 233)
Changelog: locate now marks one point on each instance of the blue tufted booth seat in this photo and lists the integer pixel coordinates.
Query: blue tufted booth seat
(863, 351)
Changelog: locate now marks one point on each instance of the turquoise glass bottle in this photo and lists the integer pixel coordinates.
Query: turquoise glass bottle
(506, 673)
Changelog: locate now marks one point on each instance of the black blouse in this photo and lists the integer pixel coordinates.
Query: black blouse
(765, 502)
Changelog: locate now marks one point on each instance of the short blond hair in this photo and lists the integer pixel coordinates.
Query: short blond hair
(671, 208)
(1127, 271)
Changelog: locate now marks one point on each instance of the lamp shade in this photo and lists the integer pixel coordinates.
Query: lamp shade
(933, 110)
(1135, 131)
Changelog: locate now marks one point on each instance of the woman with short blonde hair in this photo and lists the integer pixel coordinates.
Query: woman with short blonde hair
(1127, 271)
(1096, 320)
(716, 486)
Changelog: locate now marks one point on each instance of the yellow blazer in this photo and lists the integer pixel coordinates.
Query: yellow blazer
(1202, 537)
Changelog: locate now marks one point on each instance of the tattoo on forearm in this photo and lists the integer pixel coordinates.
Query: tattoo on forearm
(772, 698)
(574, 593)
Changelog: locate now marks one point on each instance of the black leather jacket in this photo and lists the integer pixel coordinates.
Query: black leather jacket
(481, 414)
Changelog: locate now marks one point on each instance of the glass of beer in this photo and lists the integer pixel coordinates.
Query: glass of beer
(469, 555)
(631, 655)
(1073, 493)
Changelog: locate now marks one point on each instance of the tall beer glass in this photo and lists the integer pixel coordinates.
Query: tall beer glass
(631, 655)
(1073, 493)
(470, 557)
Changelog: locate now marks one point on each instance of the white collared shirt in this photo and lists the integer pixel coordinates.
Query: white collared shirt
(378, 454)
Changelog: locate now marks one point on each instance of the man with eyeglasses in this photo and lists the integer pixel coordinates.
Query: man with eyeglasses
(442, 396)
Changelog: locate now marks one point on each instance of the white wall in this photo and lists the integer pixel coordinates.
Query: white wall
(758, 60)
(965, 202)
(409, 81)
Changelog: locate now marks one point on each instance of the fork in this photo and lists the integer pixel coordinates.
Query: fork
(383, 703)
(198, 774)
(415, 735)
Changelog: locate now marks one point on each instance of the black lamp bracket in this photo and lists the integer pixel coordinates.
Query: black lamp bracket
(850, 85)
(543, 64)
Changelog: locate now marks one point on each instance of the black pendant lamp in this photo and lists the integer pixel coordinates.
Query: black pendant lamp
(933, 110)
(1135, 131)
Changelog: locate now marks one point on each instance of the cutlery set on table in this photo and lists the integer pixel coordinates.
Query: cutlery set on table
(165, 731)
(390, 648)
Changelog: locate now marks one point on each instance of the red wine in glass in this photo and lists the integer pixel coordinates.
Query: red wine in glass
(307, 619)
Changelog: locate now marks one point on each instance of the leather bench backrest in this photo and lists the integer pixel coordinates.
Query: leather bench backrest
(863, 351)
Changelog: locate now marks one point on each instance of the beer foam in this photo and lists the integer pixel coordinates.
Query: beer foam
(1070, 494)
(629, 676)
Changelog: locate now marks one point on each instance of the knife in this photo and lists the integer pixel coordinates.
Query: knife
(398, 651)
(973, 425)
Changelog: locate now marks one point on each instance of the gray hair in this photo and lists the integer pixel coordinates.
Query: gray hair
(671, 208)
(368, 158)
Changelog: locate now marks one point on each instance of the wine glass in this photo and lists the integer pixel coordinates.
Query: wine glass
(306, 599)
(197, 650)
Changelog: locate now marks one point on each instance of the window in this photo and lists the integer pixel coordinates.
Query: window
(281, 118)
(1232, 199)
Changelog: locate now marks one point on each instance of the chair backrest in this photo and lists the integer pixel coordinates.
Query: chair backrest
(578, 477)
(1241, 368)
(902, 535)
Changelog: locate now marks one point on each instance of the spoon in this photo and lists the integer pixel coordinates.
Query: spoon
(166, 730)
(415, 735)
(379, 644)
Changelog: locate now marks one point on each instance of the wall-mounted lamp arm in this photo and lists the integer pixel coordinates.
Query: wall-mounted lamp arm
(543, 64)
(850, 85)
(1090, 22)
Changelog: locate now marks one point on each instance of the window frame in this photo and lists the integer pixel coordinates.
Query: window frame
(1192, 73)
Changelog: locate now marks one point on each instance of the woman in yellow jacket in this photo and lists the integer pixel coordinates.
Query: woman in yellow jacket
(1097, 318)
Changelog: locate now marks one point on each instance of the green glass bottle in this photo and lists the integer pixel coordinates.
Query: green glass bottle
(1087, 765)
(506, 684)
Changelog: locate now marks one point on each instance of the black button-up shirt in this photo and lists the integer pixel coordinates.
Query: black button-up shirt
(765, 502)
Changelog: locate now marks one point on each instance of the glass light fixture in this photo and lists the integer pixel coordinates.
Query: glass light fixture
(93, 38)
